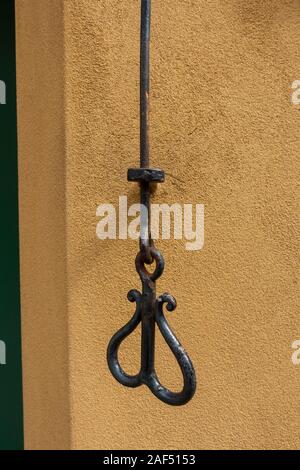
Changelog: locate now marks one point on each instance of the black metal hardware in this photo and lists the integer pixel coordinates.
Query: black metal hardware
(149, 309)
(150, 175)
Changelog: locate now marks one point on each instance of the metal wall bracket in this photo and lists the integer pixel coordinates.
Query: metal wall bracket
(149, 309)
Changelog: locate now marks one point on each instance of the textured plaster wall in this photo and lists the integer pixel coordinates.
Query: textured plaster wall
(224, 129)
(41, 136)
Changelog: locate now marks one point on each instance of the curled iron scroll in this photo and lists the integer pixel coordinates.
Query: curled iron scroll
(151, 310)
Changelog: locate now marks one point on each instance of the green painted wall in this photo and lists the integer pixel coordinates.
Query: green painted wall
(11, 433)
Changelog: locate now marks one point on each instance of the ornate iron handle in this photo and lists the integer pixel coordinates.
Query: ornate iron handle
(149, 309)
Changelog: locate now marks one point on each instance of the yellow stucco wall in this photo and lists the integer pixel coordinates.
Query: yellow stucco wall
(41, 140)
(224, 129)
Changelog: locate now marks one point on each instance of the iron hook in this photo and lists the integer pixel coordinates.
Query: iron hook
(149, 311)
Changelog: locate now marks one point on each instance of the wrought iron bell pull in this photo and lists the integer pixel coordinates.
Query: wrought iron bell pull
(149, 309)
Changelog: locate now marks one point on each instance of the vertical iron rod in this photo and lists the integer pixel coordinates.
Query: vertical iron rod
(144, 126)
(145, 82)
(149, 308)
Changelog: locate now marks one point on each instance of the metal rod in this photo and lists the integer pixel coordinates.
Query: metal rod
(144, 127)
(149, 308)
(145, 83)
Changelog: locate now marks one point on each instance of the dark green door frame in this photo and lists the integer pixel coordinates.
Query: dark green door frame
(11, 415)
